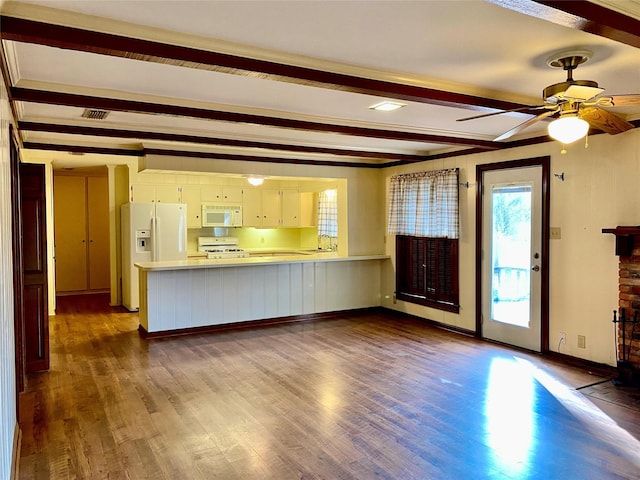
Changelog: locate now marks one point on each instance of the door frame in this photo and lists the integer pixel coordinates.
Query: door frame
(545, 163)
(18, 281)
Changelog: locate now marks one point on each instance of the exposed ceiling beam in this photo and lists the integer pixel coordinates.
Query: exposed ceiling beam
(78, 149)
(580, 15)
(122, 105)
(55, 147)
(71, 38)
(173, 137)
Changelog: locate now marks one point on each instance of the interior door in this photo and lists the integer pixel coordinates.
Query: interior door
(98, 233)
(70, 203)
(34, 267)
(512, 266)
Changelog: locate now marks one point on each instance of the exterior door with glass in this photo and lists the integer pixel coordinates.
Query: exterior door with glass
(512, 226)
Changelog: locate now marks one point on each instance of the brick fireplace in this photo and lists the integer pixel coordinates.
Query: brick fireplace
(628, 251)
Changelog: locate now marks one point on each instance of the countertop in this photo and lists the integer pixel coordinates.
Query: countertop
(255, 259)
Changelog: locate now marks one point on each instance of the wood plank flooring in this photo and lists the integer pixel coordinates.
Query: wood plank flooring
(358, 397)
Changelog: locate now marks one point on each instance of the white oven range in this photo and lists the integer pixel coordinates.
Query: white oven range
(221, 247)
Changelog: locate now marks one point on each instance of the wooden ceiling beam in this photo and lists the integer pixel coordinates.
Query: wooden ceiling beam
(71, 38)
(580, 15)
(226, 142)
(133, 106)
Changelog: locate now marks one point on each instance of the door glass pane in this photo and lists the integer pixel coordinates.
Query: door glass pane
(511, 255)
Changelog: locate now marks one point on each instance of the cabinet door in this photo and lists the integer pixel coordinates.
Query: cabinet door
(271, 213)
(308, 209)
(69, 197)
(191, 197)
(211, 193)
(232, 195)
(143, 193)
(290, 208)
(168, 194)
(252, 208)
(98, 223)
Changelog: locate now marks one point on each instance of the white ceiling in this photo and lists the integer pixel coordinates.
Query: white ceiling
(470, 47)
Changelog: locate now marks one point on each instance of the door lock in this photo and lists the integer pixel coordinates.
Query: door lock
(536, 268)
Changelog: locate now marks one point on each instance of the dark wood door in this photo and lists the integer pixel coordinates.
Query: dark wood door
(34, 267)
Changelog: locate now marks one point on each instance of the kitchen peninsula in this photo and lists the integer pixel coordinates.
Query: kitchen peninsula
(194, 295)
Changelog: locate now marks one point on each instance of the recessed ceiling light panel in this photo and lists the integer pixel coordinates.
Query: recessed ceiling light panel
(387, 106)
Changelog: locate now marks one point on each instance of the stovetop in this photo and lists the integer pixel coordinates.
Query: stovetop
(221, 247)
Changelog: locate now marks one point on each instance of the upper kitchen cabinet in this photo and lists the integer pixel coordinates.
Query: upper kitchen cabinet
(308, 209)
(270, 208)
(261, 208)
(148, 193)
(290, 208)
(191, 196)
(219, 193)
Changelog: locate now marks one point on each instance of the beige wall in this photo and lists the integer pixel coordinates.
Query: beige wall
(600, 190)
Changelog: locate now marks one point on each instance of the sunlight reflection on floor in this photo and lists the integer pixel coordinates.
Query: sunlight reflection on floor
(594, 420)
(509, 408)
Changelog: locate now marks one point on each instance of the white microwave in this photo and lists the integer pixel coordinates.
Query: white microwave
(221, 215)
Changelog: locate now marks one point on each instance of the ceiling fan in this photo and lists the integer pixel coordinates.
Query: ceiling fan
(573, 101)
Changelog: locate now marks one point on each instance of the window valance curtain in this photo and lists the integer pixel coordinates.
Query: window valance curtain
(424, 204)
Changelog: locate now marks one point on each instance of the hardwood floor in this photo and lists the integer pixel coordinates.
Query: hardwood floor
(357, 397)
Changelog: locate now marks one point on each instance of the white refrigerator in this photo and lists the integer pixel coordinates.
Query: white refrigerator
(151, 232)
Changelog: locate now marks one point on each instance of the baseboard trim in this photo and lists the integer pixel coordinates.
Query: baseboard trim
(601, 369)
(443, 326)
(268, 322)
(15, 454)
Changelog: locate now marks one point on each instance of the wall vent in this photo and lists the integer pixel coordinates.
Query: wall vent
(95, 114)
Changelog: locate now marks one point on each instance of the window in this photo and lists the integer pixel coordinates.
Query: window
(328, 220)
(423, 214)
(427, 271)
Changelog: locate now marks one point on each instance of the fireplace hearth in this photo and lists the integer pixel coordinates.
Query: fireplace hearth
(626, 316)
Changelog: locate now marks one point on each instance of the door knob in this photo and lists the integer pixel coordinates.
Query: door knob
(536, 268)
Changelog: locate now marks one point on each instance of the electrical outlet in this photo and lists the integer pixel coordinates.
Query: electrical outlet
(563, 337)
(582, 341)
(555, 233)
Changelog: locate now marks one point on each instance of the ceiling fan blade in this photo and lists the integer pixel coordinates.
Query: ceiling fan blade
(524, 125)
(523, 109)
(606, 121)
(625, 100)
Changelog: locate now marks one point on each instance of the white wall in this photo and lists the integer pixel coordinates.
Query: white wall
(600, 191)
(7, 356)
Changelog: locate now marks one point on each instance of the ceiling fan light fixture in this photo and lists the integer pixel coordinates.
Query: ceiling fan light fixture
(568, 129)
